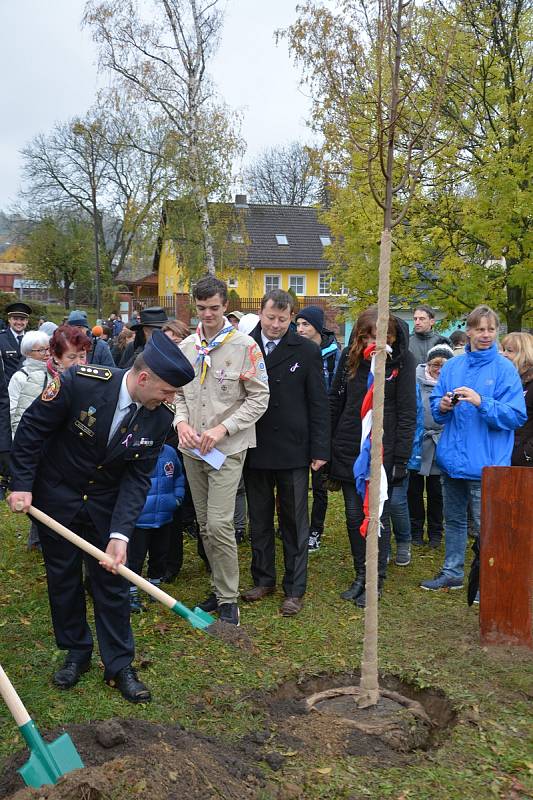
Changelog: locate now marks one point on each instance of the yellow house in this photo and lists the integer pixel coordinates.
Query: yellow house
(258, 248)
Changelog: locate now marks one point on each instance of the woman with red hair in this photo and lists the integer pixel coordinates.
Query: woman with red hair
(68, 347)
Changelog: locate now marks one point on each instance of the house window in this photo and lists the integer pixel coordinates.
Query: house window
(297, 284)
(272, 282)
(281, 238)
(324, 285)
(232, 283)
(325, 240)
(238, 238)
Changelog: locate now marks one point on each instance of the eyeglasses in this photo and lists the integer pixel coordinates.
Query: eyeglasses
(40, 350)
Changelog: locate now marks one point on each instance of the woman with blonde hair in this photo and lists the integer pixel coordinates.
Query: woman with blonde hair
(518, 348)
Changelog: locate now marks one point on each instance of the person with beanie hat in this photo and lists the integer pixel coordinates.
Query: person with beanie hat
(424, 474)
(310, 324)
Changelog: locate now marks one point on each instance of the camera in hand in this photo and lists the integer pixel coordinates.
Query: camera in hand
(455, 398)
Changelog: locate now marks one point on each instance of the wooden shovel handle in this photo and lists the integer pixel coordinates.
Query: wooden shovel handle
(131, 576)
(12, 700)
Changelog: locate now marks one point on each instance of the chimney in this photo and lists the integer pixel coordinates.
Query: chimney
(241, 201)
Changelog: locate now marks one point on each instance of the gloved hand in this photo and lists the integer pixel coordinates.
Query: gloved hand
(399, 471)
(4, 463)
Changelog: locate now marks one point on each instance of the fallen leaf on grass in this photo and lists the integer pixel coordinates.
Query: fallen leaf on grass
(324, 770)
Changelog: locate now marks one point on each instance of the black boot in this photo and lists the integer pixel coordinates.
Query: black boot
(356, 588)
(360, 601)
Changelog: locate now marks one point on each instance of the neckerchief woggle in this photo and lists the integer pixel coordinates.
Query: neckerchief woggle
(204, 347)
(362, 465)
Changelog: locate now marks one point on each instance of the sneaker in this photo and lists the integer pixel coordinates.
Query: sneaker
(136, 607)
(403, 554)
(209, 604)
(476, 598)
(442, 581)
(314, 541)
(240, 535)
(417, 542)
(229, 612)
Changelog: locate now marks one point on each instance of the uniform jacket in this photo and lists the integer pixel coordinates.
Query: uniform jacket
(477, 437)
(61, 452)
(10, 352)
(26, 384)
(166, 491)
(234, 392)
(100, 353)
(399, 413)
(5, 427)
(421, 343)
(294, 430)
(523, 438)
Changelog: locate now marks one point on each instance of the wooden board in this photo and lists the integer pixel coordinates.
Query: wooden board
(506, 564)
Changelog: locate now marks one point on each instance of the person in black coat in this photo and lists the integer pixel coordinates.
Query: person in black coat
(18, 316)
(5, 430)
(83, 454)
(399, 422)
(292, 435)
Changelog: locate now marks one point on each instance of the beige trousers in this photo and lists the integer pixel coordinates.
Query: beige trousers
(213, 493)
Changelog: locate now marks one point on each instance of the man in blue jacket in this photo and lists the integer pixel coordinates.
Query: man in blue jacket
(99, 352)
(479, 400)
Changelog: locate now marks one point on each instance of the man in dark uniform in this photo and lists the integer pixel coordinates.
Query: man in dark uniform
(5, 430)
(293, 435)
(18, 316)
(83, 453)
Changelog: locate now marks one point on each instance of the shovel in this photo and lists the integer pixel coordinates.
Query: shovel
(197, 617)
(47, 762)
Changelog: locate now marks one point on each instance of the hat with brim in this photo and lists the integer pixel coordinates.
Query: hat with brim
(22, 309)
(237, 314)
(154, 317)
(165, 358)
(78, 319)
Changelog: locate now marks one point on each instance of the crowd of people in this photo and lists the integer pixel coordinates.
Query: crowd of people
(133, 435)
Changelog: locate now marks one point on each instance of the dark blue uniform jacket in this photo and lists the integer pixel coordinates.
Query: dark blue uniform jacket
(61, 454)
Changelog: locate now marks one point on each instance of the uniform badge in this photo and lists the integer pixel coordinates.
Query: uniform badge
(51, 391)
(86, 421)
(169, 469)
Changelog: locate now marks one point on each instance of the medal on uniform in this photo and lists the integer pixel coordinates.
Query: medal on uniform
(86, 421)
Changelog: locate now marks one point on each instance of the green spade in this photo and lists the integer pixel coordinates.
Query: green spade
(47, 761)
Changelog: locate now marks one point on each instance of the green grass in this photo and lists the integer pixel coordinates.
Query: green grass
(429, 640)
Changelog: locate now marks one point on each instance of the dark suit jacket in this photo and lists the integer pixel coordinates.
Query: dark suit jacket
(63, 457)
(5, 422)
(295, 428)
(10, 352)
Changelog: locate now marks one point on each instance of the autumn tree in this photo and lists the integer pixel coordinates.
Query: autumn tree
(59, 252)
(160, 51)
(282, 176)
(378, 111)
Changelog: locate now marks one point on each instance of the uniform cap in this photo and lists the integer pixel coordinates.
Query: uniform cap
(19, 308)
(165, 358)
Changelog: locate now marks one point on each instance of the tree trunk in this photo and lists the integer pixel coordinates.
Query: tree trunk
(516, 302)
(66, 291)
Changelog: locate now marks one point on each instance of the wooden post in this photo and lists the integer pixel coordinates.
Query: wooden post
(506, 562)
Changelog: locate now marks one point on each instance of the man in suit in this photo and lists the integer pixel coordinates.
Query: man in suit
(18, 316)
(291, 436)
(5, 431)
(83, 453)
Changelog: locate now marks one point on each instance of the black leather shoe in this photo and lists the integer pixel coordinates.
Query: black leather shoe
(129, 686)
(69, 674)
(353, 591)
(209, 604)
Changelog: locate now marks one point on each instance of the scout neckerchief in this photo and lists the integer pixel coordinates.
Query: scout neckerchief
(361, 467)
(204, 347)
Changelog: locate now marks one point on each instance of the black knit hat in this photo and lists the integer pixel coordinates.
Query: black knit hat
(314, 315)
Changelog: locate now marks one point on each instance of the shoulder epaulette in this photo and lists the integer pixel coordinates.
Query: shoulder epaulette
(103, 373)
(170, 406)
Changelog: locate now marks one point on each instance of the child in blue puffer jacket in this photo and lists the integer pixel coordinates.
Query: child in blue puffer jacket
(154, 527)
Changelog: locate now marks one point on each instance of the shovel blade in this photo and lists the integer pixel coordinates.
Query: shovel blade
(197, 618)
(50, 761)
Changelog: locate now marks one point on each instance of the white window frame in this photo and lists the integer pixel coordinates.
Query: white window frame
(304, 284)
(237, 238)
(323, 242)
(271, 288)
(326, 277)
(233, 283)
(282, 236)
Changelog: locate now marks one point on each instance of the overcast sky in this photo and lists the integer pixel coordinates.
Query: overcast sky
(49, 74)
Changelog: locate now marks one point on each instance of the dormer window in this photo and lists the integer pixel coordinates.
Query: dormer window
(325, 240)
(281, 238)
(237, 238)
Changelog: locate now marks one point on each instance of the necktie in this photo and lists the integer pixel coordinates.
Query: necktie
(270, 347)
(123, 424)
(19, 340)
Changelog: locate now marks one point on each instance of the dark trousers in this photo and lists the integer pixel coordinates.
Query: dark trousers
(417, 512)
(292, 487)
(63, 562)
(320, 499)
(353, 507)
(153, 542)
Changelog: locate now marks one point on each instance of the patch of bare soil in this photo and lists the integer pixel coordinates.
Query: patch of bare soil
(133, 758)
(232, 634)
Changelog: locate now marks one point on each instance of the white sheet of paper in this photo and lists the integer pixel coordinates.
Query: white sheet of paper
(214, 458)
